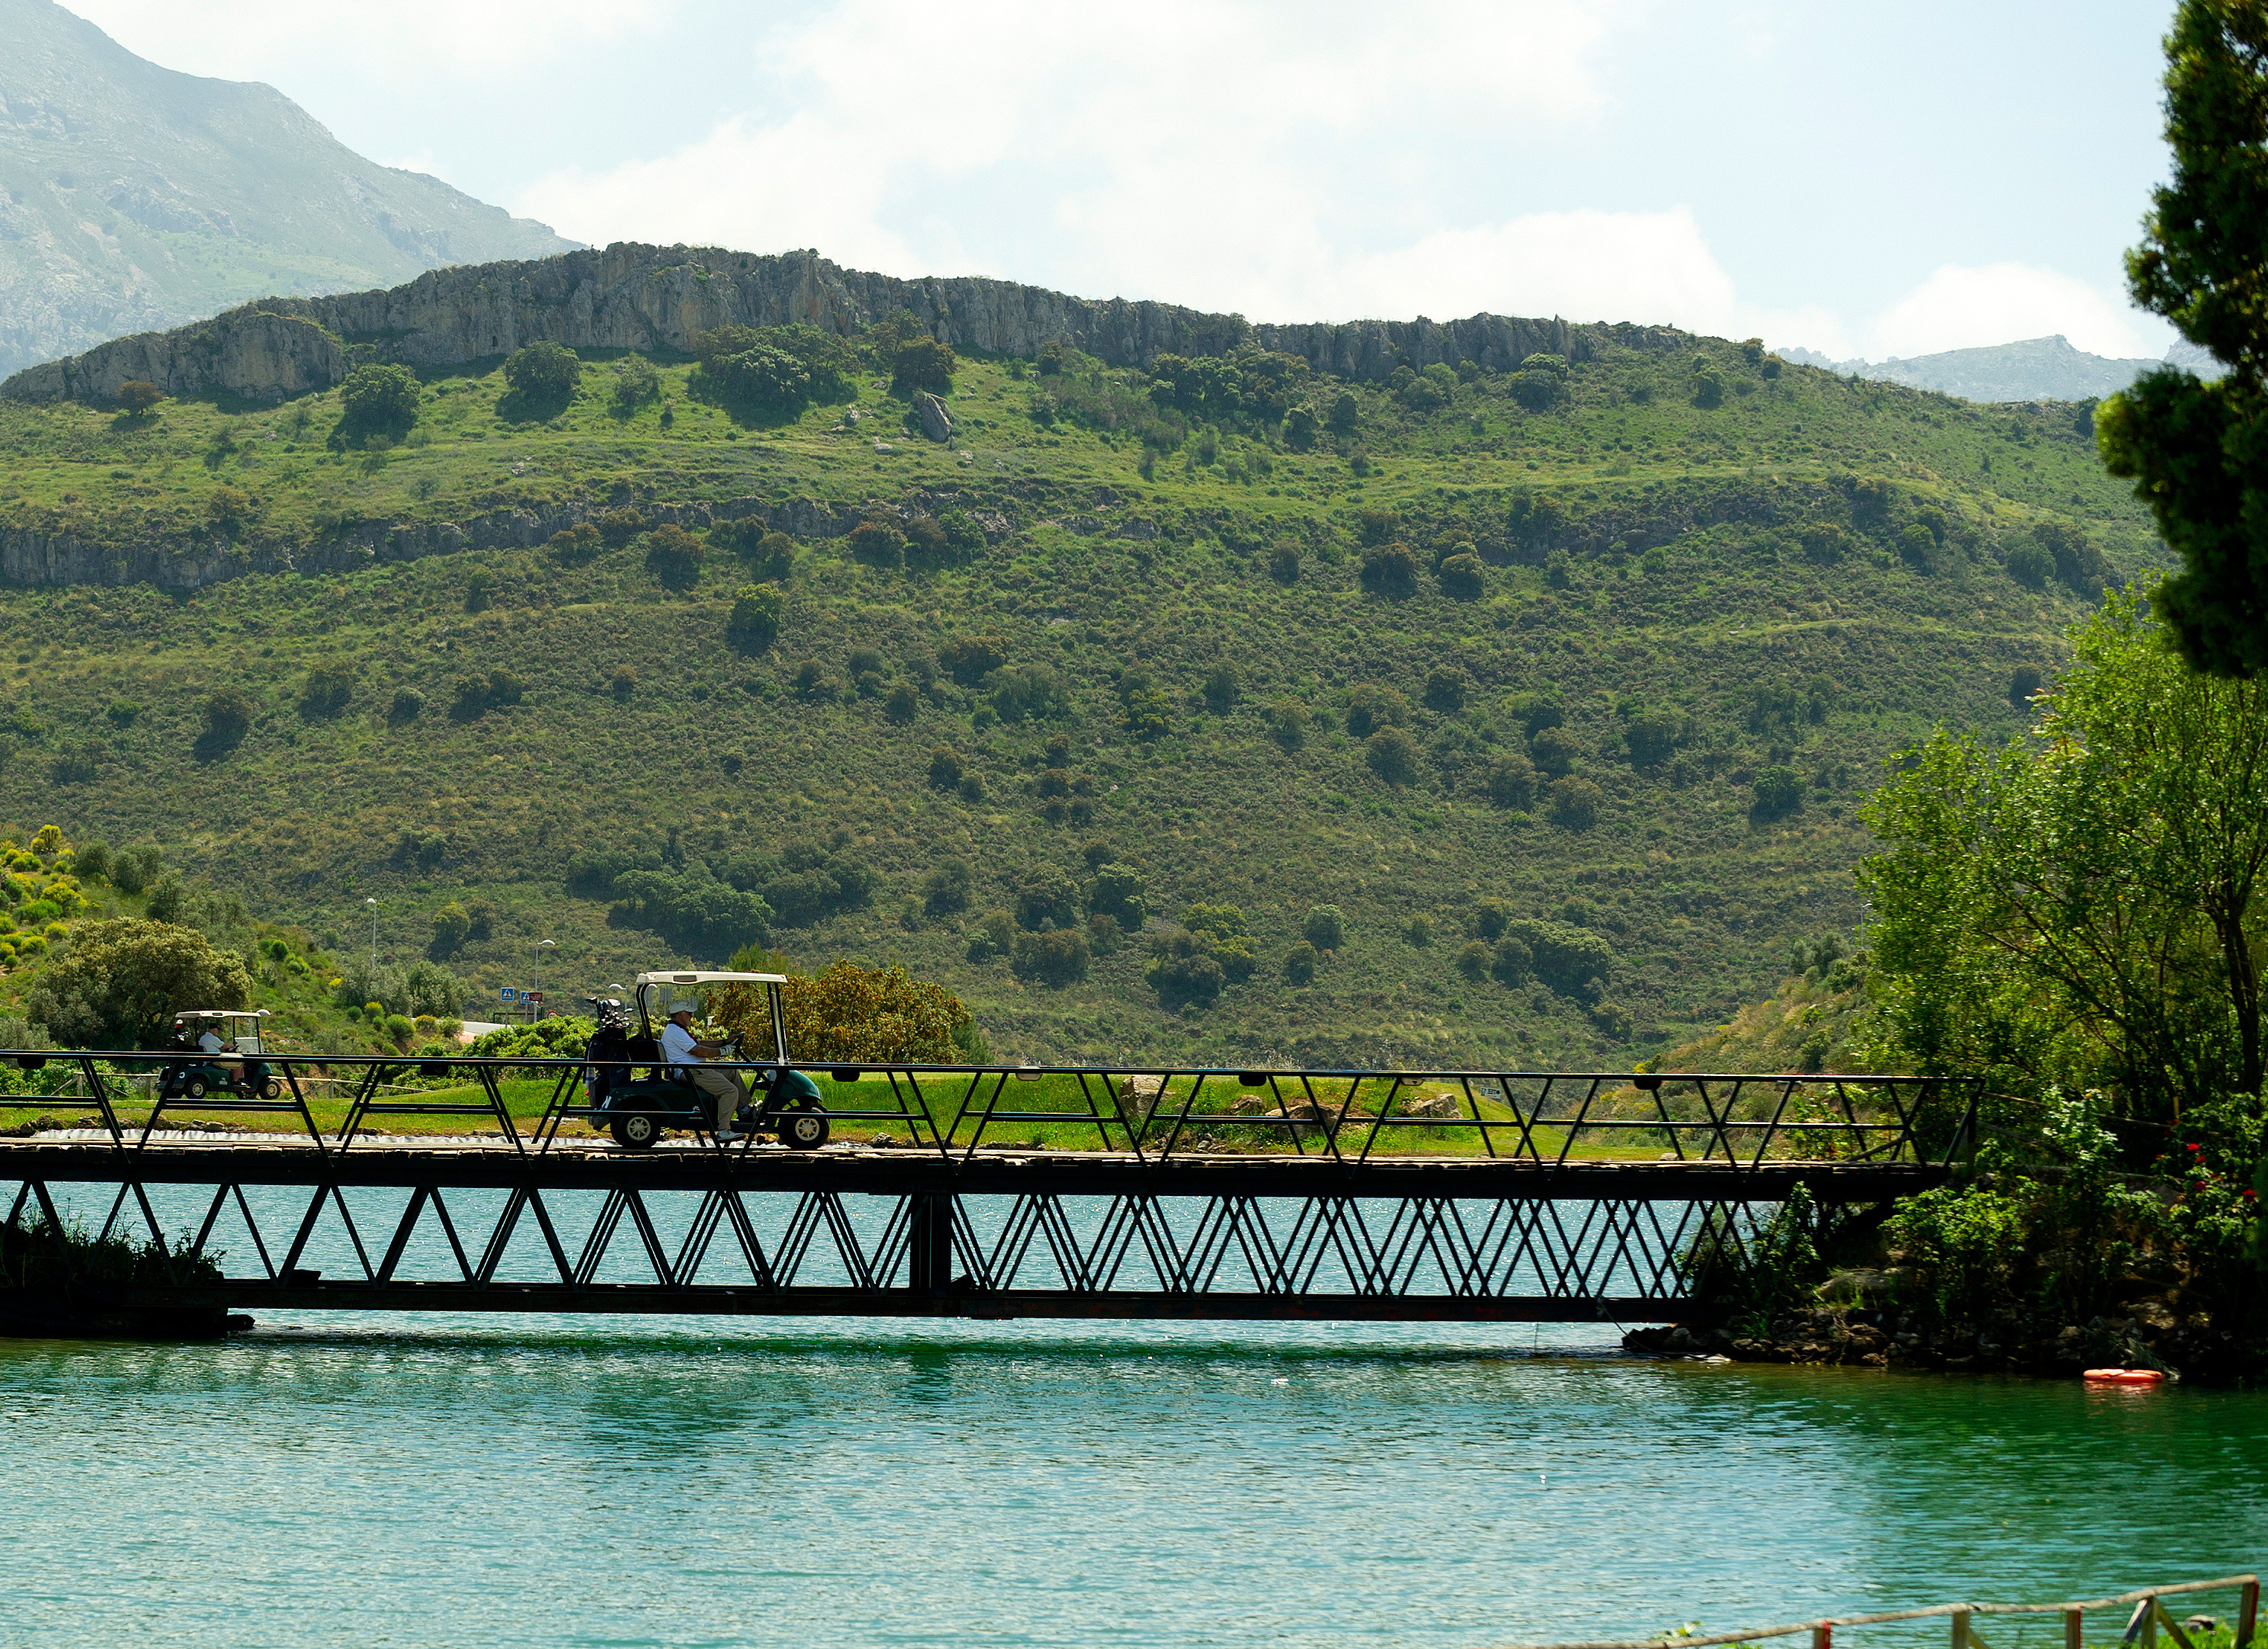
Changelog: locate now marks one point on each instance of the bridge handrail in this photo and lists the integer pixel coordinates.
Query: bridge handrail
(1820, 1630)
(1333, 1116)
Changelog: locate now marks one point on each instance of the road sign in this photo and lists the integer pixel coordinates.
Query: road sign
(531, 995)
(509, 994)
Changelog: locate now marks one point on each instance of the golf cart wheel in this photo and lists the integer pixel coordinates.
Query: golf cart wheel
(803, 1130)
(271, 1089)
(193, 1088)
(635, 1130)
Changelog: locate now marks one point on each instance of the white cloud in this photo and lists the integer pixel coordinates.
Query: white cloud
(1959, 308)
(1245, 157)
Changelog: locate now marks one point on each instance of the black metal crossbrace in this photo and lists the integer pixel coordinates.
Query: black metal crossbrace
(1080, 1192)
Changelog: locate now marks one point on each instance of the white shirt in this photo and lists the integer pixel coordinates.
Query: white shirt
(210, 1042)
(677, 1047)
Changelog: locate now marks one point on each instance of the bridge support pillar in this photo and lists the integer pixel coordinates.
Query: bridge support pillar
(930, 1256)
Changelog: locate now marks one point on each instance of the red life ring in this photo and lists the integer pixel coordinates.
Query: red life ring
(2126, 1376)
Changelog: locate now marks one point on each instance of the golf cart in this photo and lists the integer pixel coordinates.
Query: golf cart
(626, 1085)
(243, 1075)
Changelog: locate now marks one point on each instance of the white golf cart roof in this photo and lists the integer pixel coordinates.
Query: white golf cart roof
(221, 1013)
(712, 979)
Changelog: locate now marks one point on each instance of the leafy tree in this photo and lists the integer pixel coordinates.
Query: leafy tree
(1047, 896)
(407, 706)
(1058, 957)
(1220, 688)
(1512, 780)
(228, 716)
(922, 362)
(2029, 564)
(1390, 569)
(759, 381)
(758, 610)
(1346, 414)
(1576, 803)
(119, 983)
(1370, 707)
(673, 556)
(1512, 961)
(946, 766)
(1567, 957)
(325, 690)
(2077, 912)
(968, 660)
(1147, 709)
(617, 526)
(1300, 428)
(2023, 681)
(2197, 452)
(1120, 892)
(1779, 791)
(573, 546)
(1031, 692)
(949, 887)
(1392, 753)
(482, 691)
(636, 383)
(1299, 964)
(1473, 961)
(137, 395)
(1653, 737)
(1445, 688)
(1464, 578)
(1556, 750)
(1283, 561)
(378, 400)
(543, 374)
(452, 926)
(855, 1015)
(1325, 928)
(1287, 722)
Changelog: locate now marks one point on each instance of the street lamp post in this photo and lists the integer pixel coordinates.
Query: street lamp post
(535, 1008)
(372, 903)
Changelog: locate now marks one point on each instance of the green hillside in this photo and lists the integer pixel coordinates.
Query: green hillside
(1154, 631)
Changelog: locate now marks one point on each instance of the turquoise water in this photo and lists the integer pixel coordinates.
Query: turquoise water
(541, 1482)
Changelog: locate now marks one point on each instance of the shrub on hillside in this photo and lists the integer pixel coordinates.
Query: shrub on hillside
(636, 383)
(1512, 780)
(946, 766)
(1576, 803)
(618, 525)
(377, 400)
(673, 556)
(1778, 791)
(878, 544)
(1047, 897)
(325, 690)
(228, 715)
(1299, 964)
(949, 887)
(1463, 577)
(1555, 751)
(758, 612)
(543, 374)
(1392, 753)
(574, 546)
(1058, 957)
(920, 363)
(137, 395)
(1445, 688)
(768, 555)
(1565, 957)
(1287, 723)
(1325, 927)
(1370, 707)
(968, 660)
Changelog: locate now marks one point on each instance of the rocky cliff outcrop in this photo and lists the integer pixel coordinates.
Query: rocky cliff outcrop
(29, 557)
(633, 297)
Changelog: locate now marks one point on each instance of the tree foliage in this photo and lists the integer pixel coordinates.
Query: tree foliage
(378, 400)
(2197, 452)
(119, 983)
(2077, 911)
(849, 1013)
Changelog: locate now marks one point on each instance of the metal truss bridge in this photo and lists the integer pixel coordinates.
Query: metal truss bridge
(964, 1192)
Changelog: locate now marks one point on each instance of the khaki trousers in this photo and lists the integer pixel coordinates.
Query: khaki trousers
(725, 1086)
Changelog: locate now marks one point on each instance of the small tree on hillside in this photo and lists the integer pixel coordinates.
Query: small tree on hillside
(119, 983)
(543, 372)
(754, 623)
(922, 362)
(377, 400)
(137, 396)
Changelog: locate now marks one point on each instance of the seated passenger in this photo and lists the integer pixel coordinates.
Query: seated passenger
(682, 1059)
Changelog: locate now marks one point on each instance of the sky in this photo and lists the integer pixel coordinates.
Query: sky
(1860, 179)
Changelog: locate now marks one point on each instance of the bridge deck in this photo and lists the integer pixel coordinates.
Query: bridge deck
(1552, 1210)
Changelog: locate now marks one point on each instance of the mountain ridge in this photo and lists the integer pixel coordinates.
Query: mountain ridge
(2029, 368)
(133, 196)
(633, 296)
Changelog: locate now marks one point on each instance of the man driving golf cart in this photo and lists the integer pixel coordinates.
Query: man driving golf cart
(684, 1086)
(682, 1060)
(217, 1061)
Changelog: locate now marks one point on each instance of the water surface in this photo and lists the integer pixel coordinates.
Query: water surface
(438, 1480)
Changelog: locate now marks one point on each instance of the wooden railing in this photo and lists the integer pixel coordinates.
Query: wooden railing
(2149, 1615)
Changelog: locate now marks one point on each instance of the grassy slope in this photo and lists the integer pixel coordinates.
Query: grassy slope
(1700, 899)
